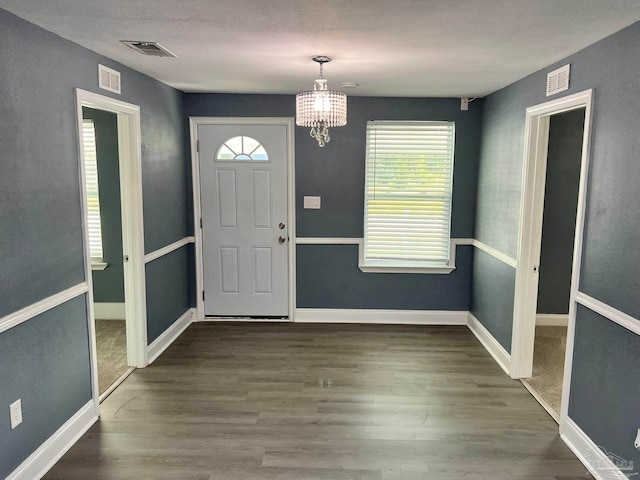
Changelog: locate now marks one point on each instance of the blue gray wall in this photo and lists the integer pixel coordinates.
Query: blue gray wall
(168, 292)
(44, 362)
(560, 206)
(41, 243)
(328, 276)
(611, 257)
(604, 384)
(41, 248)
(108, 284)
(493, 287)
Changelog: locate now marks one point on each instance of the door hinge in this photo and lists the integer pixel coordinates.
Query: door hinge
(198, 146)
(203, 295)
(200, 222)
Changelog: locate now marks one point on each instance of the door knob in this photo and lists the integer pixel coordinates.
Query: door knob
(282, 239)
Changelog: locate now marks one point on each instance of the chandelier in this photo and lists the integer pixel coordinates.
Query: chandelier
(321, 108)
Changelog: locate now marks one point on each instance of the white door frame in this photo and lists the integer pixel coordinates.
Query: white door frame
(530, 234)
(194, 122)
(129, 153)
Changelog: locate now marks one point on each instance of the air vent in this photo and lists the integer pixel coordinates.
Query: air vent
(151, 49)
(109, 79)
(558, 80)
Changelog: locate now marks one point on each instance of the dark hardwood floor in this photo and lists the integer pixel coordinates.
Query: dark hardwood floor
(243, 401)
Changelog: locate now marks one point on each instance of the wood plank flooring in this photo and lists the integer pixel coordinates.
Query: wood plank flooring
(243, 401)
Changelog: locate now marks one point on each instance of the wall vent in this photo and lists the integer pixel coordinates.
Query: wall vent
(109, 79)
(558, 80)
(152, 49)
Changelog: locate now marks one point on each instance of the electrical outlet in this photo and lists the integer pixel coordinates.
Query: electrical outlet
(15, 410)
(637, 442)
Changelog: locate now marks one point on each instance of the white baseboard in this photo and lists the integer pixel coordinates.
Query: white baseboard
(552, 320)
(45, 457)
(600, 464)
(161, 343)
(398, 317)
(496, 350)
(109, 311)
(244, 319)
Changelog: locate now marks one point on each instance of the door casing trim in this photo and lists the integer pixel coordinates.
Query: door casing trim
(130, 164)
(530, 235)
(287, 122)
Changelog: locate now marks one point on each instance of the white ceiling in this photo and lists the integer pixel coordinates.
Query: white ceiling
(420, 48)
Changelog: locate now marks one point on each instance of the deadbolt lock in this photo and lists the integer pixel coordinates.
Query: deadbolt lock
(281, 226)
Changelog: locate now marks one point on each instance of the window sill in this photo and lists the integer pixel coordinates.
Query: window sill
(406, 268)
(96, 265)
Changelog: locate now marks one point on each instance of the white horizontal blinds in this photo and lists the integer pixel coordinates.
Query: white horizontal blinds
(93, 200)
(408, 187)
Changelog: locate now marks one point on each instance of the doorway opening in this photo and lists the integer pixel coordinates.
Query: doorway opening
(102, 178)
(549, 247)
(564, 153)
(109, 146)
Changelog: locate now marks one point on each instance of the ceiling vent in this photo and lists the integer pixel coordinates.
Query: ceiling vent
(109, 79)
(151, 49)
(558, 80)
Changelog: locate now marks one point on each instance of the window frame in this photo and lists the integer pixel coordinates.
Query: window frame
(371, 265)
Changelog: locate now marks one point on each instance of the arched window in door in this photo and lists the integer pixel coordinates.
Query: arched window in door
(241, 148)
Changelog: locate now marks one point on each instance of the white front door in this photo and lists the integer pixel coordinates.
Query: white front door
(243, 195)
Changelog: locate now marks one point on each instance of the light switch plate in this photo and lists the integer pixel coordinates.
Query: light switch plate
(15, 411)
(312, 202)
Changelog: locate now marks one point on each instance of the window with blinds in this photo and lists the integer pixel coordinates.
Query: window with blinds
(408, 189)
(93, 198)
